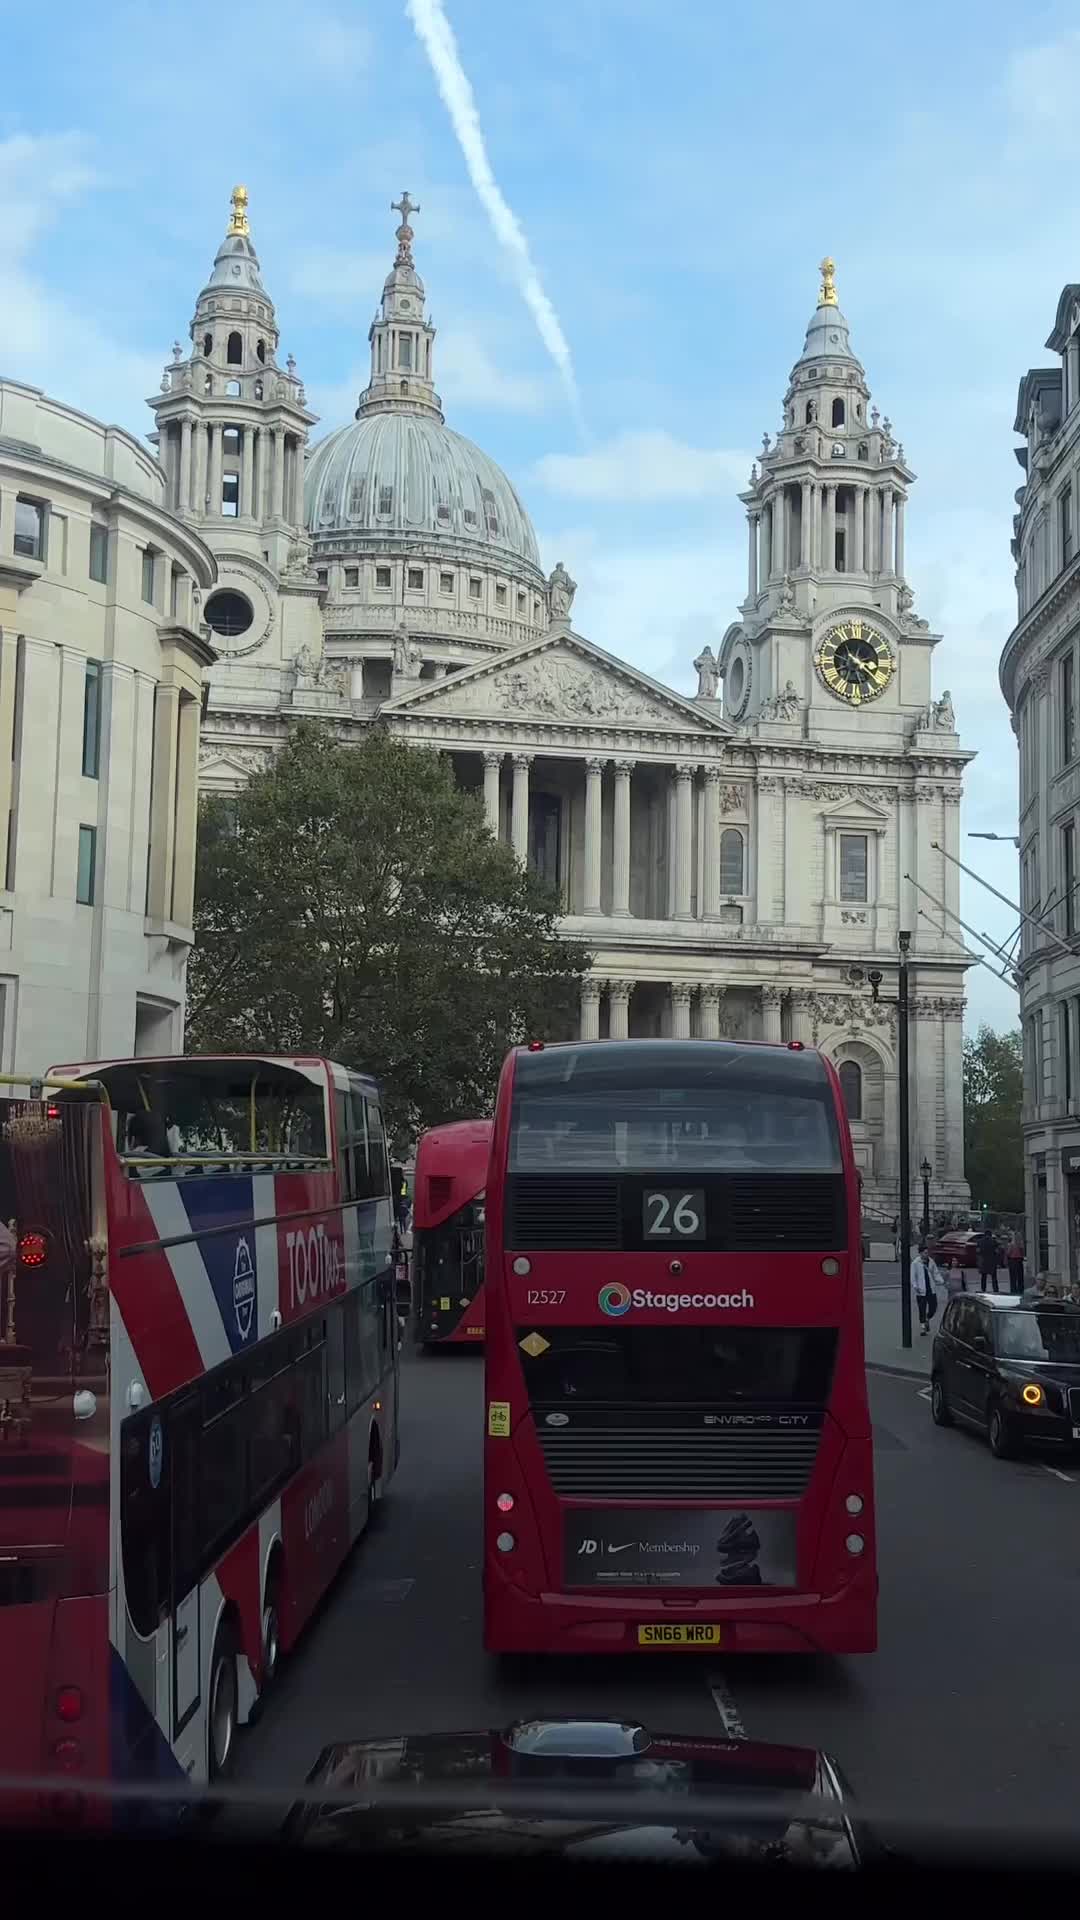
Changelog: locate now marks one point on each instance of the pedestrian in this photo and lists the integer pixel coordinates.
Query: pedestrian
(988, 1259)
(1014, 1260)
(925, 1280)
(955, 1281)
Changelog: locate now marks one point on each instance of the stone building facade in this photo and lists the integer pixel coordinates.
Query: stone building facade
(736, 862)
(102, 658)
(1040, 674)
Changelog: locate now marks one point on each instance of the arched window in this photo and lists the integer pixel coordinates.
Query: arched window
(230, 440)
(851, 1088)
(731, 861)
(260, 352)
(838, 413)
(207, 343)
(234, 352)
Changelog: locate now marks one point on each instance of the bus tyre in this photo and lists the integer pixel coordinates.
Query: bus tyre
(1000, 1435)
(939, 1405)
(271, 1632)
(224, 1701)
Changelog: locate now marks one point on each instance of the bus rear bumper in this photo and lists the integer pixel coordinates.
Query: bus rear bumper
(844, 1622)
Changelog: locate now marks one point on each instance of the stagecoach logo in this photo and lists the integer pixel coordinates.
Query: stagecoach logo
(616, 1300)
(243, 1288)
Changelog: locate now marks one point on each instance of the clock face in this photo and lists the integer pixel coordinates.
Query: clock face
(855, 662)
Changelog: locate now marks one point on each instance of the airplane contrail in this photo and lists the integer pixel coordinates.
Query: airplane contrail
(436, 35)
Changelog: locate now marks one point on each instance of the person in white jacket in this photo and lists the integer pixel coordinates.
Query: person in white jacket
(925, 1281)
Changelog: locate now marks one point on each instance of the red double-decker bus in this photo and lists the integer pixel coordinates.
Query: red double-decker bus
(678, 1448)
(198, 1397)
(448, 1232)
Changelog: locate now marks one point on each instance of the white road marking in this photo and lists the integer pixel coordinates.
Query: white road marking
(724, 1703)
(924, 1393)
(1057, 1473)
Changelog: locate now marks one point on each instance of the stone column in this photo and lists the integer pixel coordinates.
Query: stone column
(804, 526)
(899, 536)
(752, 525)
(711, 837)
(710, 998)
(594, 802)
(770, 1013)
(187, 811)
(184, 496)
(802, 1015)
(766, 543)
(247, 473)
(199, 448)
(213, 472)
(277, 474)
(619, 992)
(519, 808)
(620, 879)
(680, 1010)
(885, 557)
(829, 556)
(590, 1008)
(492, 770)
(356, 680)
(953, 1065)
(298, 484)
(684, 817)
(858, 528)
(163, 816)
(815, 524)
(779, 535)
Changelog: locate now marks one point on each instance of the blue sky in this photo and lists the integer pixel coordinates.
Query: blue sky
(679, 167)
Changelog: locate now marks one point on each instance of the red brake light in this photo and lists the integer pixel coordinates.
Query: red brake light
(33, 1249)
(536, 1046)
(796, 1046)
(52, 1113)
(69, 1704)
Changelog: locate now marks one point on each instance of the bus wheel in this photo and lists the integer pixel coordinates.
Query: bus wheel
(221, 1732)
(271, 1631)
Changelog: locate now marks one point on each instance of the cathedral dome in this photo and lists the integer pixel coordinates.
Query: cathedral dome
(396, 472)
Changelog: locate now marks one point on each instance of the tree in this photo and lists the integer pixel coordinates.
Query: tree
(993, 1141)
(351, 901)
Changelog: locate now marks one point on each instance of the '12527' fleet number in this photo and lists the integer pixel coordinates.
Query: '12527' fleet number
(545, 1296)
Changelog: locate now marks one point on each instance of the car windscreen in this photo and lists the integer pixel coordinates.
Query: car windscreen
(1053, 1334)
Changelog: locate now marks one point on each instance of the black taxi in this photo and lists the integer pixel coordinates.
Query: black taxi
(1010, 1367)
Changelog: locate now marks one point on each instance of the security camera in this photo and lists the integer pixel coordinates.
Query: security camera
(855, 976)
(876, 976)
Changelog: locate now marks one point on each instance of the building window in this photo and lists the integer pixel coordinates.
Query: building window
(731, 861)
(491, 516)
(416, 579)
(230, 495)
(228, 613)
(1068, 876)
(99, 554)
(174, 592)
(840, 554)
(446, 583)
(1066, 1052)
(258, 390)
(352, 576)
(382, 577)
(232, 389)
(234, 352)
(260, 352)
(404, 352)
(809, 415)
(470, 517)
(1067, 545)
(84, 881)
(521, 603)
(386, 499)
(475, 587)
(838, 413)
(30, 528)
(851, 1088)
(853, 866)
(442, 511)
(1068, 708)
(91, 720)
(500, 596)
(322, 576)
(208, 383)
(536, 608)
(148, 575)
(230, 440)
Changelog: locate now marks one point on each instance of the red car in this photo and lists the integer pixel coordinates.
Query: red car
(962, 1242)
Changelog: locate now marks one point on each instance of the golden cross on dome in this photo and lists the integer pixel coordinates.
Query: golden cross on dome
(239, 221)
(827, 293)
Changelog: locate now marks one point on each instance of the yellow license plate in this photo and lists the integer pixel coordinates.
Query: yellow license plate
(679, 1636)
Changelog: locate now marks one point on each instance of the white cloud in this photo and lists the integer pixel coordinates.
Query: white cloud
(644, 464)
(468, 376)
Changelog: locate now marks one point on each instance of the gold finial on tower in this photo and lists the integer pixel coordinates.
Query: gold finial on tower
(239, 221)
(827, 291)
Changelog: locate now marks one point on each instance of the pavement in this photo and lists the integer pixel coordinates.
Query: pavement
(963, 1716)
(885, 1352)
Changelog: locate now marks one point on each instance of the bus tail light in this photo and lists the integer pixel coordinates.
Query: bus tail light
(505, 1542)
(796, 1046)
(33, 1249)
(855, 1544)
(505, 1502)
(69, 1705)
(854, 1503)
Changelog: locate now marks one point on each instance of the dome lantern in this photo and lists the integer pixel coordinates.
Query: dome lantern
(401, 335)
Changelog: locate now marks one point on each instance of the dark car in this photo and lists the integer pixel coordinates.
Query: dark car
(1010, 1368)
(584, 1789)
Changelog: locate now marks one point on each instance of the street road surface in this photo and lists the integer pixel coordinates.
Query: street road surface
(967, 1712)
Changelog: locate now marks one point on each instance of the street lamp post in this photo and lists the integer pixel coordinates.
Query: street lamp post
(927, 1172)
(903, 941)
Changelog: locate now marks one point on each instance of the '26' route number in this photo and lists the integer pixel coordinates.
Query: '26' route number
(671, 1214)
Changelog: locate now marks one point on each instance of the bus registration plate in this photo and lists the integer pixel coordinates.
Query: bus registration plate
(671, 1634)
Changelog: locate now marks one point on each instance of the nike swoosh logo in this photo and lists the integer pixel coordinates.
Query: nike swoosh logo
(623, 1547)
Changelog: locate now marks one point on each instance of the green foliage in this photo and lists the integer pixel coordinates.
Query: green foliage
(351, 902)
(993, 1142)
